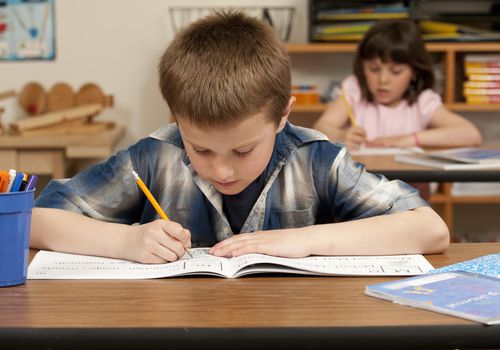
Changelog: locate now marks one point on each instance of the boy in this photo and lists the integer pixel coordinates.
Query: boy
(232, 164)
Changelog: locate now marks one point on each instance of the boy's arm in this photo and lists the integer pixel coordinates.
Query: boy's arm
(60, 230)
(419, 230)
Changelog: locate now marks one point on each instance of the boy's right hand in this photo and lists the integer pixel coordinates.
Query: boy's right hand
(157, 242)
(354, 137)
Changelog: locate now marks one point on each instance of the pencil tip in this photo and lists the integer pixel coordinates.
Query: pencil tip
(135, 174)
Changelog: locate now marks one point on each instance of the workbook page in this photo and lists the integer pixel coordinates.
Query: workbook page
(392, 265)
(53, 265)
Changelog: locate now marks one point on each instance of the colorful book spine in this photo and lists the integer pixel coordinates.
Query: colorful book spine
(480, 99)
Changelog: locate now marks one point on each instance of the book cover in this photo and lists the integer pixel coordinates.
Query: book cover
(54, 265)
(471, 155)
(443, 164)
(462, 294)
(488, 265)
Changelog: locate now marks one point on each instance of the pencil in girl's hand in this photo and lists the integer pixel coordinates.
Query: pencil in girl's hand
(348, 107)
(153, 201)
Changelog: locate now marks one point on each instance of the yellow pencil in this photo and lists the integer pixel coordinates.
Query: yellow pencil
(348, 107)
(153, 201)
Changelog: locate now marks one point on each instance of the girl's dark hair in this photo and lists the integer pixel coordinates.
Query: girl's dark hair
(398, 41)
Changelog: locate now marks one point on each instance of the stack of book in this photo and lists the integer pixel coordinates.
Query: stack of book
(483, 78)
(336, 23)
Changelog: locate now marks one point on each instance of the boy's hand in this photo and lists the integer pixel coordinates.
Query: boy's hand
(285, 243)
(354, 137)
(157, 242)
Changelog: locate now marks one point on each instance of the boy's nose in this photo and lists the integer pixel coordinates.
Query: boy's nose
(223, 172)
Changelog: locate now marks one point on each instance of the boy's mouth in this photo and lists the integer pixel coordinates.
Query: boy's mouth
(225, 184)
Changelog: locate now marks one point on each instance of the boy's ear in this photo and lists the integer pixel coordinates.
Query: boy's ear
(286, 113)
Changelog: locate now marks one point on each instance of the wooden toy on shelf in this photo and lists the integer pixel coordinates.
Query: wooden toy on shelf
(61, 111)
(33, 98)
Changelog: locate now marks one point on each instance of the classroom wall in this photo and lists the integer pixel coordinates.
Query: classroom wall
(117, 44)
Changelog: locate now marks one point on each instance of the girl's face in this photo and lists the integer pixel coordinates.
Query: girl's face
(387, 82)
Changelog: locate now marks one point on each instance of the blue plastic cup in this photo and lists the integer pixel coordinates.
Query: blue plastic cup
(15, 225)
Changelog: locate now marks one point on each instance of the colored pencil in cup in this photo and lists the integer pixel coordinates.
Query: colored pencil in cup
(153, 201)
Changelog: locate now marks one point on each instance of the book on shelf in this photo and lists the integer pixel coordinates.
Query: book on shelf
(481, 99)
(472, 189)
(364, 16)
(481, 70)
(484, 77)
(343, 28)
(488, 265)
(481, 92)
(364, 12)
(482, 60)
(471, 296)
(481, 84)
(53, 265)
(338, 37)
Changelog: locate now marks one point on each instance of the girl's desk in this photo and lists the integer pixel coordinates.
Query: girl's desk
(279, 312)
(386, 165)
(52, 155)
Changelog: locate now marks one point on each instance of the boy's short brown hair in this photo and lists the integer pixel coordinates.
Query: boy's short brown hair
(223, 68)
(398, 41)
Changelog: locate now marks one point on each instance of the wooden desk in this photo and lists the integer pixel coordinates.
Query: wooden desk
(387, 166)
(278, 312)
(52, 155)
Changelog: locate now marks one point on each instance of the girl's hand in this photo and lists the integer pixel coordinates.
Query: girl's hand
(354, 137)
(285, 243)
(394, 141)
(157, 242)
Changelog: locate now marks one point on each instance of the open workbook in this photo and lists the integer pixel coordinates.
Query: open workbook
(52, 265)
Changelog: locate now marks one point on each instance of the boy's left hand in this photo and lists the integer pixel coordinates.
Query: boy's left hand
(285, 243)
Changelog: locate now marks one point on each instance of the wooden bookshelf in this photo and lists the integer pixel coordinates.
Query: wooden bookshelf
(451, 51)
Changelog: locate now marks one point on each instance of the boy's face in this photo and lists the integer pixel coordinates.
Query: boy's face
(231, 158)
(387, 82)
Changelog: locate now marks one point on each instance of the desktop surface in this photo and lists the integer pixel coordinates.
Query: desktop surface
(278, 311)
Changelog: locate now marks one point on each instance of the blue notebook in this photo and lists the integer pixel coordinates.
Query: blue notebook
(469, 155)
(462, 294)
(488, 265)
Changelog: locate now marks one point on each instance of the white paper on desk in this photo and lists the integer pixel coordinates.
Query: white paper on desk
(386, 151)
(52, 265)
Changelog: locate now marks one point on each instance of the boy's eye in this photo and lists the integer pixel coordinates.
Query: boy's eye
(201, 151)
(242, 153)
(373, 68)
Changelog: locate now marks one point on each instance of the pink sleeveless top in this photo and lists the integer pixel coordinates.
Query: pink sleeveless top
(382, 121)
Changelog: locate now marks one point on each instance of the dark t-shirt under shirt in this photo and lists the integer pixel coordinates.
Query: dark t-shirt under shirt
(237, 207)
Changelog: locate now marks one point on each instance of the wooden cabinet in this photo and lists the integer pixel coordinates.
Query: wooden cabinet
(452, 56)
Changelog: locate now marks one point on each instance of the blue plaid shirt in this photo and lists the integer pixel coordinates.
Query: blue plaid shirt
(309, 180)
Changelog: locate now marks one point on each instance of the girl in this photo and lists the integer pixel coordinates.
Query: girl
(391, 96)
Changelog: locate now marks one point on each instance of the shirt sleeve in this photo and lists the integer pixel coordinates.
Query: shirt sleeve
(105, 191)
(356, 193)
(428, 101)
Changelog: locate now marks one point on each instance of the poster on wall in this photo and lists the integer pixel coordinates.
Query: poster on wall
(27, 30)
